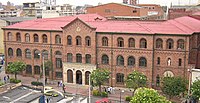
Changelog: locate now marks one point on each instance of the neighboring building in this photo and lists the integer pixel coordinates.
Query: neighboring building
(77, 45)
(32, 9)
(140, 11)
(9, 21)
(8, 11)
(183, 10)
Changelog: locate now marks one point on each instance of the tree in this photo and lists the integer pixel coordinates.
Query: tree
(99, 76)
(16, 67)
(48, 66)
(173, 86)
(147, 95)
(195, 89)
(136, 80)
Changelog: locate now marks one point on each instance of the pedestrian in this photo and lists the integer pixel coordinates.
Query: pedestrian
(64, 88)
(4, 79)
(8, 78)
(58, 83)
(109, 90)
(46, 80)
(113, 89)
(61, 83)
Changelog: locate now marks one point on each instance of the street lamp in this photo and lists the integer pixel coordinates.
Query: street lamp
(121, 91)
(89, 90)
(43, 68)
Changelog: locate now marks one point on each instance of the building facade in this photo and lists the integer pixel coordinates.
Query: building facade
(77, 45)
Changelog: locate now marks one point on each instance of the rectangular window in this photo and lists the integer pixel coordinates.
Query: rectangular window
(59, 75)
(58, 63)
(179, 62)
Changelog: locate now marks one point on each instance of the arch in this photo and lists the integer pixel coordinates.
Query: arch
(19, 52)
(142, 62)
(78, 40)
(18, 37)
(159, 43)
(120, 42)
(45, 53)
(78, 58)
(36, 54)
(58, 53)
(37, 70)
(27, 37)
(170, 44)
(69, 40)
(168, 74)
(131, 42)
(131, 61)
(69, 76)
(105, 59)
(9, 36)
(169, 62)
(120, 60)
(87, 74)
(57, 39)
(44, 38)
(180, 44)
(120, 78)
(10, 52)
(104, 41)
(36, 38)
(88, 58)
(28, 53)
(143, 43)
(69, 57)
(78, 77)
(87, 41)
(28, 69)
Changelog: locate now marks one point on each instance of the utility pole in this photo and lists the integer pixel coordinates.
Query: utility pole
(89, 90)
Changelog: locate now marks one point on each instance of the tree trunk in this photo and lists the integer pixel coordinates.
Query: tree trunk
(133, 92)
(15, 75)
(99, 88)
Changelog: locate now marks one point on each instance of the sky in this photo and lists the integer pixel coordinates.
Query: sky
(95, 2)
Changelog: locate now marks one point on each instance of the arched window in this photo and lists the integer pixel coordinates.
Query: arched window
(170, 44)
(9, 36)
(58, 59)
(142, 62)
(58, 53)
(10, 52)
(19, 52)
(78, 58)
(36, 38)
(179, 62)
(18, 37)
(131, 42)
(159, 43)
(88, 58)
(120, 77)
(37, 70)
(28, 69)
(27, 37)
(69, 40)
(120, 60)
(105, 59)
(36, 54)
(158, 61)
(69, 76)
(58, 39)
(78, 40)
(143, 43)
(87, 74)
(88, 41)
(69, 57)
(131, 61)
(28, 53)
(104, 41)
(120, 42)
(44, 38)
(180, 44)
(45, 53)
(169, 62)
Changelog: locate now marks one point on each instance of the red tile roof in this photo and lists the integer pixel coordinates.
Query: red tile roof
(183, 25)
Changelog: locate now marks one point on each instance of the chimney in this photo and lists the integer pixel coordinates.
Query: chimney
(133, 2)
(125, 1)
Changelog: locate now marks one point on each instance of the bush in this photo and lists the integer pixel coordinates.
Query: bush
(104, 94)
(96, 93)
(128, 98)
(12, 80)
(1, 83)
(35, 83)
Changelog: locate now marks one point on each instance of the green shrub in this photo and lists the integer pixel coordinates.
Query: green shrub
(12, 80)
(104, 94)
(128, 98)
(96, 93)
(35, 83)
(1, 83)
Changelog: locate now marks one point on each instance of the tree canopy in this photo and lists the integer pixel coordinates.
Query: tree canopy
(136, 80)
(173, 86)
(99, 76)
(195, 89)
(147, 95)
(16, 67)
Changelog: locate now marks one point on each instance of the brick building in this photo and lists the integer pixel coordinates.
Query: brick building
(79, 44)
